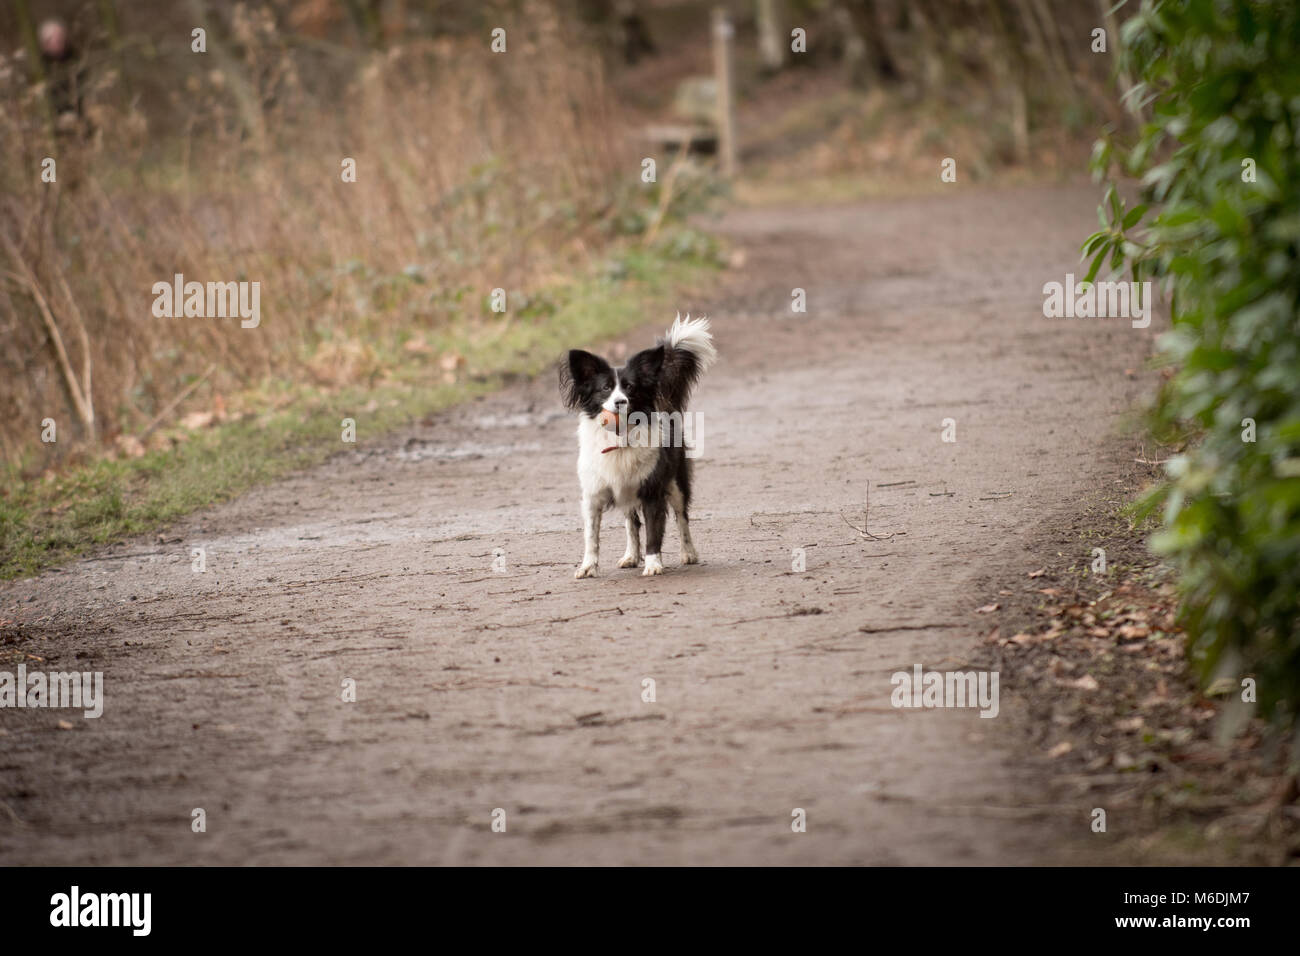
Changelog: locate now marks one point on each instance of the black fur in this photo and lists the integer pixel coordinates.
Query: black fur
(678, 375)
(585, 381)
(656, 379)
(672, 468)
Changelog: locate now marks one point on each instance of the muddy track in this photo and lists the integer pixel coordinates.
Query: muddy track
(521, 689)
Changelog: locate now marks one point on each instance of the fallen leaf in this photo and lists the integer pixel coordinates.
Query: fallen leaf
(1061, 749)
(987, 608)
(129, 445)
(196, 420)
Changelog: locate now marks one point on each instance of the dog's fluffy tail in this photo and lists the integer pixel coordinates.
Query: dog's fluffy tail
(688, 352)
(692, 335)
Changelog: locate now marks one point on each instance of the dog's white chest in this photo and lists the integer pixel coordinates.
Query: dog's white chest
(621, 471)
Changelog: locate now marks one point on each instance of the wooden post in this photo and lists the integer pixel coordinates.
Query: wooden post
(723, 34)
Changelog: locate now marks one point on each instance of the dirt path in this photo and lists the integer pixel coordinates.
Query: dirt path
(522, 690)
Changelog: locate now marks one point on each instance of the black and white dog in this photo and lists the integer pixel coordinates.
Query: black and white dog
(632, 452)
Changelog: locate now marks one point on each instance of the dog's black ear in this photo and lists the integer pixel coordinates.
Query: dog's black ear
(645, 365)
(580, 367)
(584, 365)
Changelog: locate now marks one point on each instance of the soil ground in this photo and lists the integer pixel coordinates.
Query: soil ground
(521, 689)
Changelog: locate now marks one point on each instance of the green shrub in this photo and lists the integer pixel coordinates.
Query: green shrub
(1217, 83)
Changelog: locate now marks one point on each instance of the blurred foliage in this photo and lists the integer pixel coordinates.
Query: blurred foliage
(1217, 84)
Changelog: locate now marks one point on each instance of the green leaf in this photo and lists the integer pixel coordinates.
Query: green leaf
(1096, 265)
(1133, 215)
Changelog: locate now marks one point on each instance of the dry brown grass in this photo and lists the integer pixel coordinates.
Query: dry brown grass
(475, 171)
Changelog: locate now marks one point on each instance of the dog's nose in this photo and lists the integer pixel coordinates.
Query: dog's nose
(620, 405)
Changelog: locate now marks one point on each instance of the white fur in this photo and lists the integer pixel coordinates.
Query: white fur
(692, 335)
(618, 474)
(616, 397)
(620, 471)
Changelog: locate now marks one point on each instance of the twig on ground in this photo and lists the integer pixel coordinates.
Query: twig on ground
(866, 518)
(553, 620)
(19, 821)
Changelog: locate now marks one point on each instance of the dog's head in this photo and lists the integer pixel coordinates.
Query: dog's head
(591, 386)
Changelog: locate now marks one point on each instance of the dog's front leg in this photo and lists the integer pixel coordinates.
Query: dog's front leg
(632, 557)
(592, 506)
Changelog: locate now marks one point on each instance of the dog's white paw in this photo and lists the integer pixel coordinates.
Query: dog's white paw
(629, 561)
(653, 565)
(588, 570)
(690, 555)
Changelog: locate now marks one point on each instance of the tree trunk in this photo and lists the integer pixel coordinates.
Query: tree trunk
(1010, 66)
(924, 20)
(771, 46)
